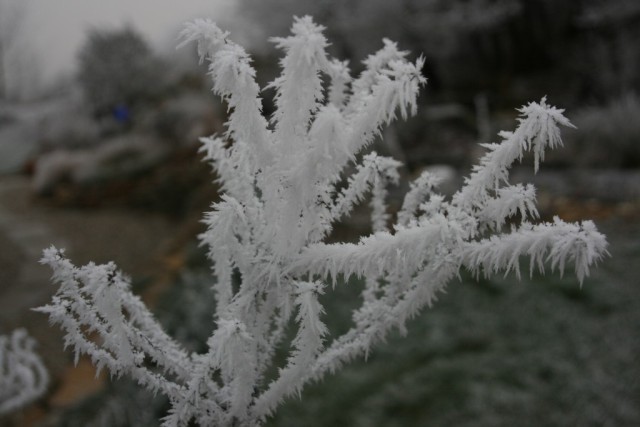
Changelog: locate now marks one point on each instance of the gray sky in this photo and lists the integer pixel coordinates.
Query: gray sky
(57, 27)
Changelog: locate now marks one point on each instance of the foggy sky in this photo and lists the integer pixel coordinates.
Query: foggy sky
(56, 28)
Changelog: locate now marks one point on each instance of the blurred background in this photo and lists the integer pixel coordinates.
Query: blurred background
(99, 123)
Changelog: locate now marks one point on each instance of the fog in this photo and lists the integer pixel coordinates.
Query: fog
(55, 29)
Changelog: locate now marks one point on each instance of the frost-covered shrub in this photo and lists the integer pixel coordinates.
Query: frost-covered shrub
(283, 190)
(610, 47)
(68, 125)
(115, 157)
(23, 377)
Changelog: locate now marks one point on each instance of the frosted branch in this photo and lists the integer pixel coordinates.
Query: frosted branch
(557, 243)
(233, 80)
(537, 131)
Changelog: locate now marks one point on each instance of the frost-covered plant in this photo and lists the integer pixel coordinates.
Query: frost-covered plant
(23, 377)
(266, 237)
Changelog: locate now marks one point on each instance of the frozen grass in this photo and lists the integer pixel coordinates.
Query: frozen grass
(499, 353)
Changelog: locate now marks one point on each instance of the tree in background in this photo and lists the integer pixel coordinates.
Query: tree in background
(504, 52)
(19, 74)
(118, 69)
(11, 17)
(514, 49)
(610, 48)
(437, 28)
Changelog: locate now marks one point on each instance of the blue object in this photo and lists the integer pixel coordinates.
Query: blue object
(122, 114)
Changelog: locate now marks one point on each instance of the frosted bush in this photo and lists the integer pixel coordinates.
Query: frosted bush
(114, 158)
(283, 188)
(23, 377)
